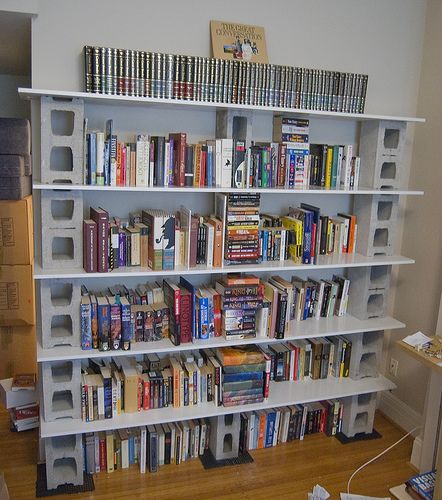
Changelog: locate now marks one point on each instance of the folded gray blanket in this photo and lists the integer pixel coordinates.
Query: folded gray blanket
(15, 136)
(19, 191)
(15, 165)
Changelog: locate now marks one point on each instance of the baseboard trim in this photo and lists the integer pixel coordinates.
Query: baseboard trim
(399, 412)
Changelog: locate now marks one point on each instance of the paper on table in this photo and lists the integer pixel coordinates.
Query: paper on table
(349, 496)
(318, 493)
(416, 339)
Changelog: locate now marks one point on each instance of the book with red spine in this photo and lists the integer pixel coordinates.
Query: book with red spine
(185, 315)
(90, 246)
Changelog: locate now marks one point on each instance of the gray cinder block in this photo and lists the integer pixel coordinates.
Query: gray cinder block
(376, 217)
(61, 209)
(381, 150)
(70, 173)
(60, 316)
(224, 436)
(64, 460)
(62, 247)
(358, 414)
(366, 352)
(368, 293)
(234, 124)
(62, 389)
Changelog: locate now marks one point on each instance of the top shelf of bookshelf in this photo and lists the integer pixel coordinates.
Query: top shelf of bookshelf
(208, 106)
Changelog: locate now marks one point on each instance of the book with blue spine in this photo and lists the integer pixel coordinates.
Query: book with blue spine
(203, 316)
(93, 158)
(126, 330)
(86, 322)
(270, 428)
(237, 377)
(103, 315)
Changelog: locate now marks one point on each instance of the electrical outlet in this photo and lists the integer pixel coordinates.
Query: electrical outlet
(394, 365)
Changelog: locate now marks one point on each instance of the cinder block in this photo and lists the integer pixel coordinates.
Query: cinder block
(62, 140)
(64, 460)
(368, 293)
(62, 247)
(61, 209)
(381, 150)
(60, 316)
(376, 216)
(224, 436)
(366, 352)
(234, 124)
(62, 389)
(358, 414)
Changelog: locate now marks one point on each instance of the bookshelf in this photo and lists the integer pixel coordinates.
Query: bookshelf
(281, 393)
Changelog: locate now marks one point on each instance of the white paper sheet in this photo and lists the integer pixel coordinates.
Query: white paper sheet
(416, 339)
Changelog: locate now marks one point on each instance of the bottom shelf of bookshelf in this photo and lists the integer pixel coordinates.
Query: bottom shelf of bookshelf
(281, 394)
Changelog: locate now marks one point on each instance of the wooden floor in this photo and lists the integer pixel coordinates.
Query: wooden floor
(286, 471)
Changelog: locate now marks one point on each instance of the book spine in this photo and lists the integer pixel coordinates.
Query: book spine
(86, 326)
(90, 246)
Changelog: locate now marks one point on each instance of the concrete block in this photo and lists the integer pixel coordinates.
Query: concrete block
(376, 217)
(62, 124)
(366, 352)
(358, 414)
(368, 294)
(224, 436)
(62, 247)
(60, 316)
(61, 209)
(64, 460)
(62, 389)
(381, 150)
(234, 124)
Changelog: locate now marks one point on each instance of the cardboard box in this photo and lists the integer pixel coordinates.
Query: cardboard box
(18, 353)
(17, 296)
(16, 232)
(11, 399)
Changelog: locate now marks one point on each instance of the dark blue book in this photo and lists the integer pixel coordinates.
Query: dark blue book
(270, 429)
(236, 377)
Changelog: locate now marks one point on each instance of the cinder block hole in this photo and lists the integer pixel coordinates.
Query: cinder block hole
(370, 340)
(364, 399)
(61, 327)
(378, 277)
(385, 209)
(380, 238)
(228, 419)
(239, 128)
(388, 170)
(368, 366)
(62, 209)
(62, 248)
(61, 159)
(361, 420)
(391, 138)
(65, 468)
(64, 442)
(375, 305)
(227, 443)
(61, 293)
(62, 122)
(62, 401)
(62, 372)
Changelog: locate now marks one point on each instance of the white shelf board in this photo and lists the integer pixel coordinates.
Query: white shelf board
(26, 93)
(325, 262)
(205, 189)
(310, 328)
(281, 394)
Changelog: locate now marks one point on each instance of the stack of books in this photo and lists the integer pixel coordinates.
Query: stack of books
(242, 228)
(15, 158)
(243, 375)
(421, 486)
(19, 397)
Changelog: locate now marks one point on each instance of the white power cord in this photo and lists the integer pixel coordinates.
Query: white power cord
(380, 455)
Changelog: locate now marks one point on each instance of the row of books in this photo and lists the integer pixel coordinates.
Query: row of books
(234, 307)
(227, 376)
(150, 447)
(150, 74)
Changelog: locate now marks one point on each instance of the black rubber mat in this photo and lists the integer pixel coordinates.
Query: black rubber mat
(41, 489)
(342, 438)
(209, 462)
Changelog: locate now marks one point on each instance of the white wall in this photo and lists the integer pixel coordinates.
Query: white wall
(419, 291)
(383, 38)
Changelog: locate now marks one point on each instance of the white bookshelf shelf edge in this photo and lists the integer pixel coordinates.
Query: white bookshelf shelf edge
(178, 190)
(26, 93)
(301, 330)
(325, 262)
(281, 394)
